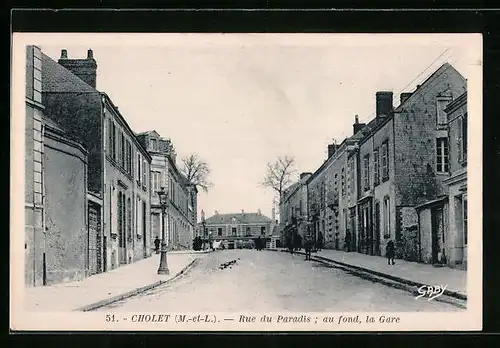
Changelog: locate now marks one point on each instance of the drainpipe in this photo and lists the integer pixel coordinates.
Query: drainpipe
(419, 239)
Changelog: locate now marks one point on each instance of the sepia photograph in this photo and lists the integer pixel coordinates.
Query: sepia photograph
(246, 182)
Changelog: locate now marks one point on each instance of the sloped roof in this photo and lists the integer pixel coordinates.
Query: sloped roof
(153, 132)
(242, 218)
(56, 78)
(53, 124)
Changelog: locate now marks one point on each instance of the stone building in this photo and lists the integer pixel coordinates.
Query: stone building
(238, 230)
(56, 231)
(180, 219)
(294, 214)
(329, 191)
(118, 165)
(443, 221)
(403, 162)
(456, 239)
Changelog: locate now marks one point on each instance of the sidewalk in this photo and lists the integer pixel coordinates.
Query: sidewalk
(411, 273)
(103, 287)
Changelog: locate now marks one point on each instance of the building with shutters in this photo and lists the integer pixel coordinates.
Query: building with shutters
(180, 214)
(238, 230)
(56, 234)
(118, 165)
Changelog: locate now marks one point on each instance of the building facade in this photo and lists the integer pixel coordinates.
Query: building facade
(238, 230)
(294, 213)
(403, 159)
(118, 166)
(401, 177)
(56, 231)
(456, 240)
(180, 214)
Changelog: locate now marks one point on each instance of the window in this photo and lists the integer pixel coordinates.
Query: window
(153, 144)
(376, 168)
(464, 212)
(351, 176)
(113, 141)
(233, 231)
(263, 230)
(155, 181)
(440, 106)
(385, 161)
(442, 155)
(343, 181)
(139, 169)
(144, 173)
(248, 231)
(366, 172)
(463, 137)
(387, 218)
(219, 231)
(122, 150)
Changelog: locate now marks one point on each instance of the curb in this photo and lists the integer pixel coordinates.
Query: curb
(108, 301)
(387, 279)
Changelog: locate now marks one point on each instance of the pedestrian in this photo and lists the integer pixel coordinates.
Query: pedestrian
(389, 252)
(308, 246)
(157, 245)
(319, 243)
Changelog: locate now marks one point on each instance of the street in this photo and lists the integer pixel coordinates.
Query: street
(272, 281)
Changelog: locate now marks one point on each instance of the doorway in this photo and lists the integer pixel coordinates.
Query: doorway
(377, 229)
(437, 218)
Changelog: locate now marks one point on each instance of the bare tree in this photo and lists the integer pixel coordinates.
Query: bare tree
(279, 174)
(196, 172)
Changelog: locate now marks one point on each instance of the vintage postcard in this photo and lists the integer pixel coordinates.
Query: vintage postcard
(246, 182)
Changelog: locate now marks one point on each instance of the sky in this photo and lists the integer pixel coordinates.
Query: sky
(241, 100)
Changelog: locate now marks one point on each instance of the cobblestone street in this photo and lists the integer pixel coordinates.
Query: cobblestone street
(272, 281)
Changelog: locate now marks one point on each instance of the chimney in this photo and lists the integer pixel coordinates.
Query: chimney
(259, 212)
(85, 69)
(331, 149)
(242, 211)
(216, 212)
(357, 126)
(304, 174)
(273, 214)
(405, 96)
(384, 103)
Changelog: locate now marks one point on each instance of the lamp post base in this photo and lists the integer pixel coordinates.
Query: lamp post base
(163, 269)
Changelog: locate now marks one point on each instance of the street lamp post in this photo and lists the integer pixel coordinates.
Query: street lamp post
(163, 268)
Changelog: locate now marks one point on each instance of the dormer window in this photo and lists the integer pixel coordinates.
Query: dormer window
(153, 144)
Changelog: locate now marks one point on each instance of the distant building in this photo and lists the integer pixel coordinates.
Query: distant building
(56, 234)
(118, 165)
(180, 219)
(238, 229)
(294, 212)
(330, 200)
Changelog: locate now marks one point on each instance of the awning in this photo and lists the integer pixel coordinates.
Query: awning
(434, 202)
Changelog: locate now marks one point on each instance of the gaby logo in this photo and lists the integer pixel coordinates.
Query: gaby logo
(430, 291)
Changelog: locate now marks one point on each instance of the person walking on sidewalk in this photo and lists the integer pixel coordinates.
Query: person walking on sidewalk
(389, 252)
(157, 245)
(308, 246)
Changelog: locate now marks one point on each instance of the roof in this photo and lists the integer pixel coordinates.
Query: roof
(146, 133)
(53, 124)
(242, 218)
(58, 79)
